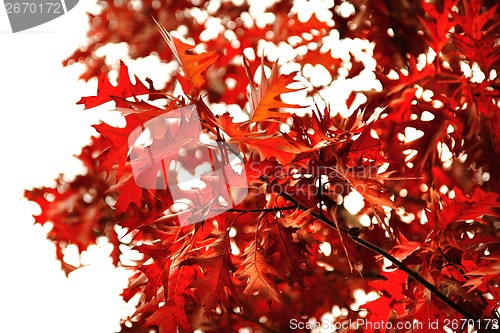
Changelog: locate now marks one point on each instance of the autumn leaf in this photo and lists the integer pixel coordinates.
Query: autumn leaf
(292, 254)
(265, 100)
(194, 65)
(259, 273)
(217, 265)
(391, 287)
(117, 153)
(128, 193)
(484, 274)
(474, 207)
(365, 148)
(405, 249)
(106, 91)
(440, 26)
(168, 318)
(76, 211)
(157, 276)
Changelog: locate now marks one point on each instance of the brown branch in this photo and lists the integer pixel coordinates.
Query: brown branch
(429, 286)
(260, 210)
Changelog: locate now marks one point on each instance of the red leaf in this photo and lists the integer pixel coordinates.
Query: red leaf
(473, 207)
(259, 273)
(292, 254)
(106, 91)
(169, 318)
(265, 100)
(216, 264)
(194, 65)
(391, 288)
(76, 209)
(128, 193)
(350, 99)
(489, 271)
(118, 152)
(402, 251)
(365, 147)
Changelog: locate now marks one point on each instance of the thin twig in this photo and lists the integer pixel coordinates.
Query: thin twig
(261, 210)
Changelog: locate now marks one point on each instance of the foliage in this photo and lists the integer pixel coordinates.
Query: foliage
(291, 251)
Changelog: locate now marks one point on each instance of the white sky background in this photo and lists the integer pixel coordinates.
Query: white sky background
(41, 129)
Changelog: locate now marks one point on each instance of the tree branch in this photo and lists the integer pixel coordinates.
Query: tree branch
(260, 210)
(389, 257)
